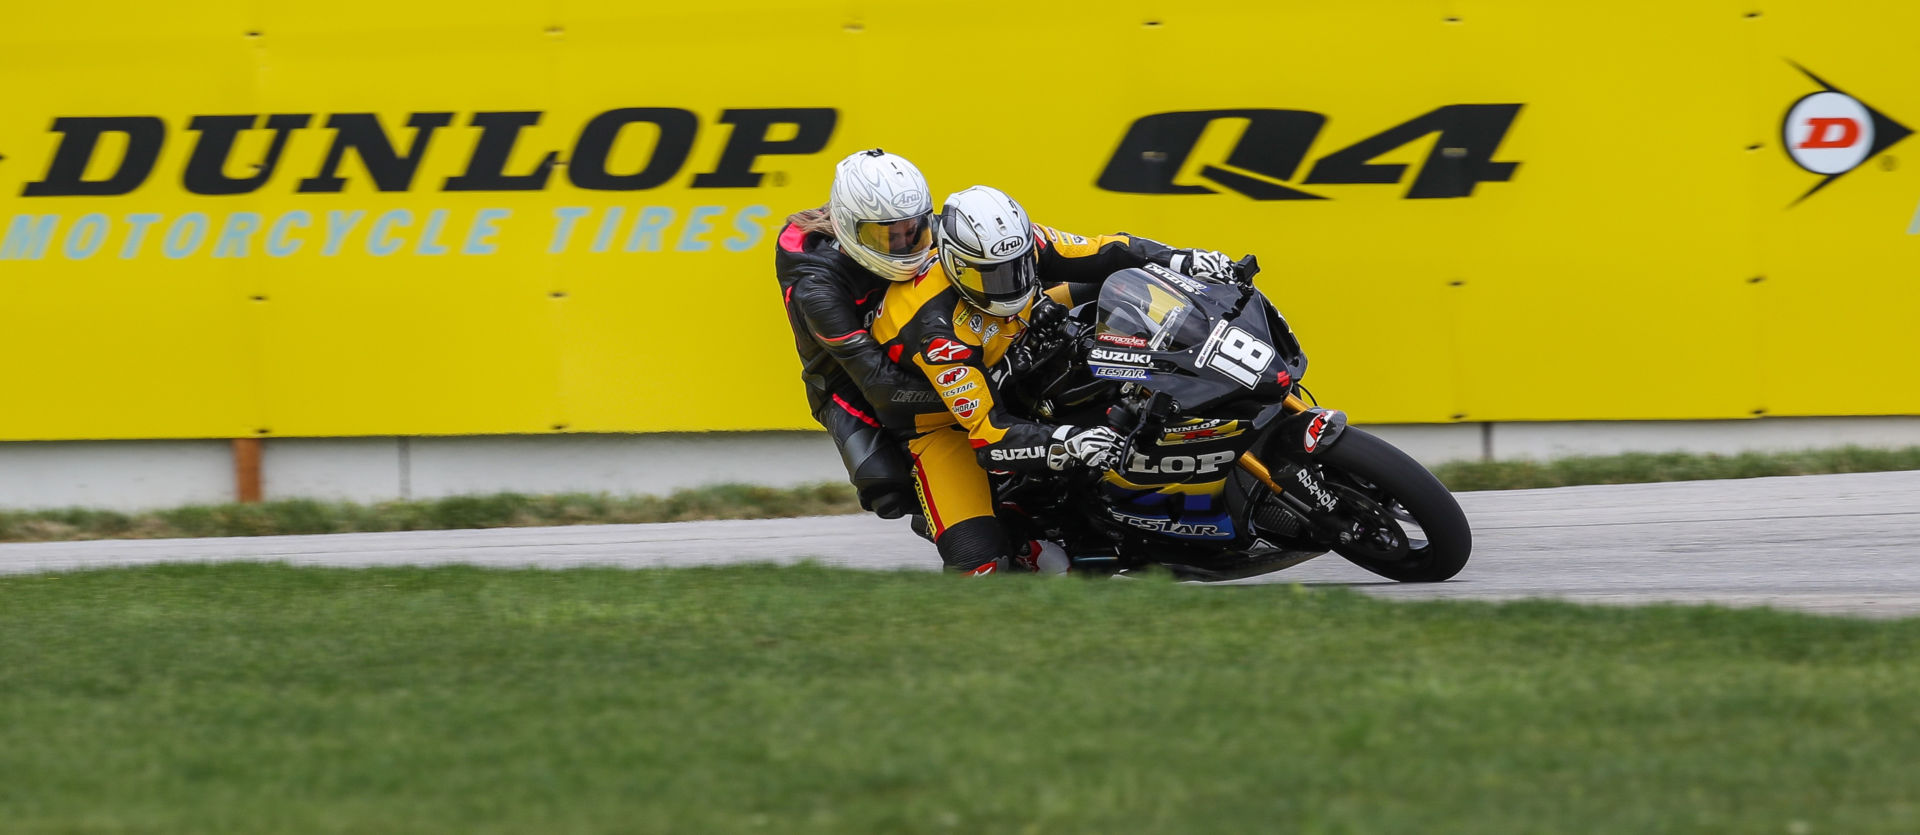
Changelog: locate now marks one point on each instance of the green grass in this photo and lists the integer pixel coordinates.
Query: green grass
(1638, 467)
(501, 510)
(739, 501)
(249, 698)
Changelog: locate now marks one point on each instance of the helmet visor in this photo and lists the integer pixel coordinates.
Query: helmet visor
(897, 238)
(1002, 288)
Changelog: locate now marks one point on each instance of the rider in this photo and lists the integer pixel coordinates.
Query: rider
(959, 318)
(834, 264)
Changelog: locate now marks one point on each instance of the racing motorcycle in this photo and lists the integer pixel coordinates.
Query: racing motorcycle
(1226, 471)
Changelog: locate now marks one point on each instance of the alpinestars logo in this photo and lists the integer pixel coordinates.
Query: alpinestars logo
(1831, 132)
(1274, 144)
(944, 350)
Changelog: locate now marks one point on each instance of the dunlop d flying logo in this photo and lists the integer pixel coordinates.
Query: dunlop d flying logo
(1830, 133)
(1274, 144)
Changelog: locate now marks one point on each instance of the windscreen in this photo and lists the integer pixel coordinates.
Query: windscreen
(1139, 304)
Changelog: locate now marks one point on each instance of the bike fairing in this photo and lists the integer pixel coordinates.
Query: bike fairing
(1174, 483)
(1194, 493)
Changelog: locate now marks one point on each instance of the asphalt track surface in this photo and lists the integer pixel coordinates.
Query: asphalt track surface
(1843, 544)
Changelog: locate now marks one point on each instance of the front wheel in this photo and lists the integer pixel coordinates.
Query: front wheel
(1406, 525)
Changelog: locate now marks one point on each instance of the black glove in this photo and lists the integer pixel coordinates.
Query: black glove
(1039, 337)
(1047, 314)
(1203, 263)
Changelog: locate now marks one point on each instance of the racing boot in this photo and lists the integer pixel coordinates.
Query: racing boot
(1039, 556)
(1034, 557)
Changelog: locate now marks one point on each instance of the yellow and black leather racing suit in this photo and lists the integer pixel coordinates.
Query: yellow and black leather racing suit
(924, 325)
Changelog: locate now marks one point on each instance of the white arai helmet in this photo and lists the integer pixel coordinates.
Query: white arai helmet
(986, 249)
(882, 213)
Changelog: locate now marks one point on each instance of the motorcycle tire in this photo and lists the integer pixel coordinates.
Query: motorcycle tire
(1395, 476)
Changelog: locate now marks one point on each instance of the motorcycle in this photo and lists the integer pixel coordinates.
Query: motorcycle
(1226, 472)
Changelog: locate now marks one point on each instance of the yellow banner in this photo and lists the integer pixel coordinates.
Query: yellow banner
(489, 217)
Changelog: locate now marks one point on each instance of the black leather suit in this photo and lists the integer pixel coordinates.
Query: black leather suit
(853, 389)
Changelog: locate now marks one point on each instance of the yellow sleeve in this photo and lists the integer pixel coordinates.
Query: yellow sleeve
(954, 369)
(1070, 245)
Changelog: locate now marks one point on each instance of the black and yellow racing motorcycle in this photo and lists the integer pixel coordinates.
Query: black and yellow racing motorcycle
(1227, 472)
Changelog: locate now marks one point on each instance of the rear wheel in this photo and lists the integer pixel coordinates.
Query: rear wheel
(1406, 526)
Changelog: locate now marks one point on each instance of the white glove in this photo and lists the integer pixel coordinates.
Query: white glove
(1095, 447)
(1203, 263)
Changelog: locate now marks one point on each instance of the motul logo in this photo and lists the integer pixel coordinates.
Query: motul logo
(1831, 133)
(1274, 144)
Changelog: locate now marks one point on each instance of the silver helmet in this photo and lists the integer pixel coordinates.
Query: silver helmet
(986, 248)
(882, 213)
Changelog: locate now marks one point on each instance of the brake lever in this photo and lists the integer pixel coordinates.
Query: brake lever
(1139, 417)
(1048, 344)
(1246, 268)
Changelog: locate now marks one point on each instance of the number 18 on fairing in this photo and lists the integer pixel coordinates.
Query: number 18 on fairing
(1237, 354)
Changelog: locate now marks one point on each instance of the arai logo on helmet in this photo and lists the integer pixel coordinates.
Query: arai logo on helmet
(907, 200)
(1831, 133)
(1005, 246)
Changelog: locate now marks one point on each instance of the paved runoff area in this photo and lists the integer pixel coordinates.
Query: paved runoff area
(1836, 544)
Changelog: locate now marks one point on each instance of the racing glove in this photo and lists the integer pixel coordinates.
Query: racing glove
(1039, 338)
(1203, 263)
(1095, 447)
(1047, 314)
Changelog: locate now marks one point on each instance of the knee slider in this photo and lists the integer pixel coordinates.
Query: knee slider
(972, 543)
(872, 458)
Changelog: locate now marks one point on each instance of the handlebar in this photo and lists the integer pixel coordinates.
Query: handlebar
(1131, 419)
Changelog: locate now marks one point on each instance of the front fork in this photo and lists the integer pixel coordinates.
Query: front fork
(1310, 498)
